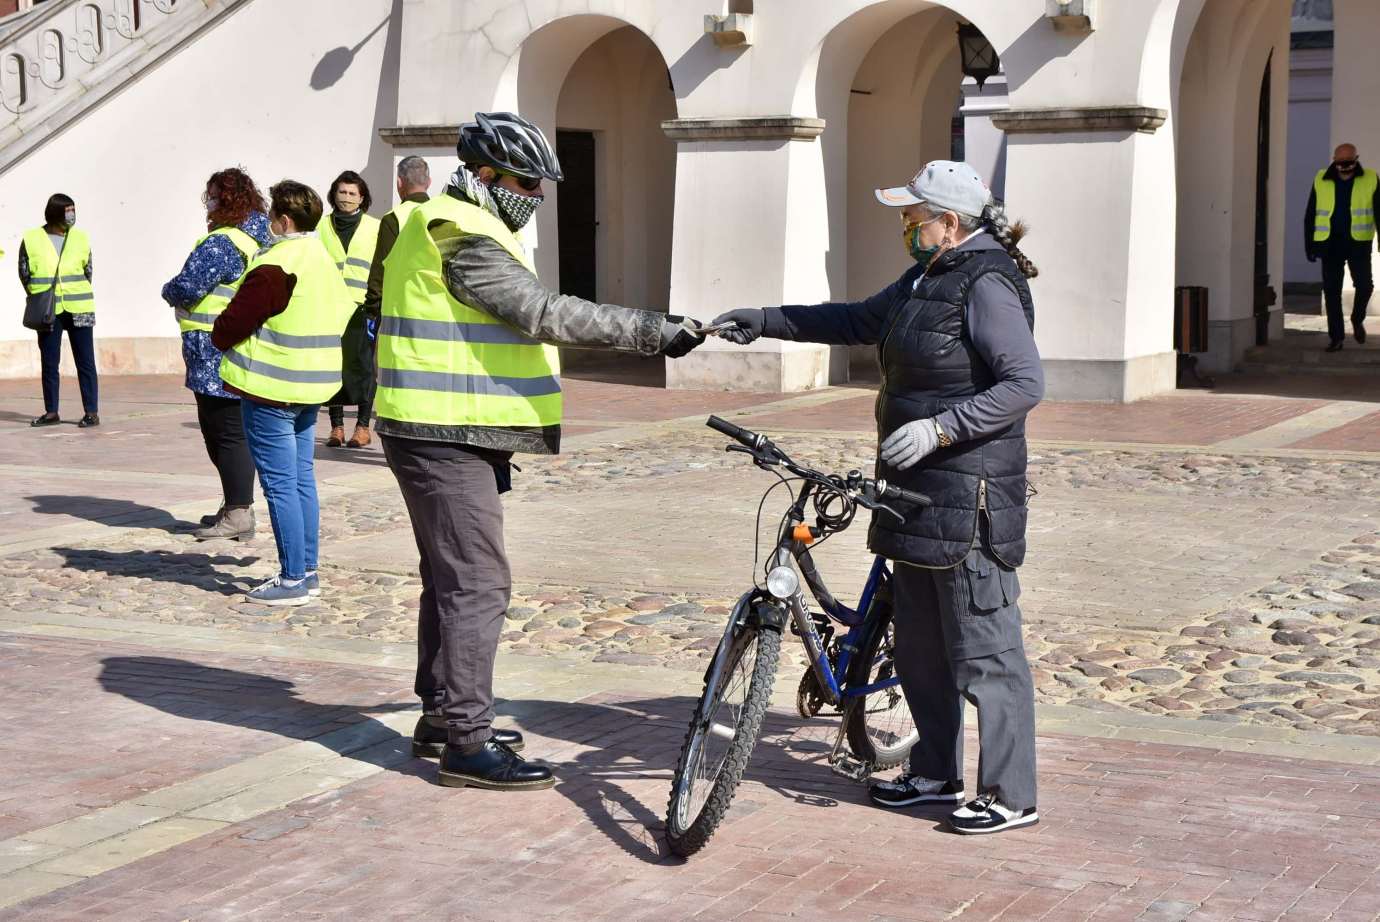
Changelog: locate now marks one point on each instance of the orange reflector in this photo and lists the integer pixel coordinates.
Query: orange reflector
(803, 534)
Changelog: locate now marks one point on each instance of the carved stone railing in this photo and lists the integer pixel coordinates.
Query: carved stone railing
(66, 56)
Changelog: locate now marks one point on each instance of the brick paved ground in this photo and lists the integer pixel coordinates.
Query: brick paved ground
(176, 754)
(1130, 830)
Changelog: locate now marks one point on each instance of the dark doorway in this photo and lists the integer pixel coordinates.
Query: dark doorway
(576, 220)
(1264, 292)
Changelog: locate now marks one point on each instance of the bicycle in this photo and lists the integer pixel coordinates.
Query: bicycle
(876, 721)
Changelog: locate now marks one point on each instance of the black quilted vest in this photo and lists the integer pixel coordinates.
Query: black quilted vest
(928, 365)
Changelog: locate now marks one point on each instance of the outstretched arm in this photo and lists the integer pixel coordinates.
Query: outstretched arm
(482, 274)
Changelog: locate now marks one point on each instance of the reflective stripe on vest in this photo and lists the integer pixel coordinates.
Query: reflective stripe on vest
(446, 363)
(1363, 189)
(295, 356)
(202, 316)
(74, 294)
(355, 263)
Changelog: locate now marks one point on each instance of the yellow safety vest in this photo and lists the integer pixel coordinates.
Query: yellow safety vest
(295, 356)
(446, 363)
(74, 294)
(1362, 206)
(203, 314)
(354, 264)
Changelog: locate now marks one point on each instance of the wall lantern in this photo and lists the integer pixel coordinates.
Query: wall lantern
(980, 60)
(731, 31)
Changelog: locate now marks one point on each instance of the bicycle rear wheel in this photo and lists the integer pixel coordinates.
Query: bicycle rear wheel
(721, 736)
(880, 727)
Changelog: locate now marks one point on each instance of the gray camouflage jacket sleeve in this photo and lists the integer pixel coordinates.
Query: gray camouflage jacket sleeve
(481, 273)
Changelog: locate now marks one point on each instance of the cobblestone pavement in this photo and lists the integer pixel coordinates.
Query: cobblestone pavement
(1299, 648)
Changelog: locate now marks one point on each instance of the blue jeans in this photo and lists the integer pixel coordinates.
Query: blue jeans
(282, 444)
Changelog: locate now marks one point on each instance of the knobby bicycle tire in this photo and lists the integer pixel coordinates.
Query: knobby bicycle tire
(687, 841)
(859, 673)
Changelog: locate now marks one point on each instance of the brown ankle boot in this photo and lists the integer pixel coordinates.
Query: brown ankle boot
(336, 438)
(360, 438)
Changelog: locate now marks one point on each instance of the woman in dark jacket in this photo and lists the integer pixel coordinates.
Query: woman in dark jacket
(960, 372)
(237, 227)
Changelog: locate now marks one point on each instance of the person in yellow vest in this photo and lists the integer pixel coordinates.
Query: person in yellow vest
(281, 337)
(55, 265)
(350, 235)
(468, 375)
(237, 228)
(1339, 228)
(414, 184)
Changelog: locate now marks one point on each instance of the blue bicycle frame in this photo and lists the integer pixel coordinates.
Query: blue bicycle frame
(857, 620)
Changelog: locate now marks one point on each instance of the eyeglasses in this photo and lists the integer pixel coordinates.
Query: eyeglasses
(528, 183)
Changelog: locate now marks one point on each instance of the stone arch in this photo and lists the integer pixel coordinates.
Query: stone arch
(600, 79)
(906, 52)
(1216, 118)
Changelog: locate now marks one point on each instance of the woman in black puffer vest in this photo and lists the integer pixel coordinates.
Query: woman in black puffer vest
(960, 372)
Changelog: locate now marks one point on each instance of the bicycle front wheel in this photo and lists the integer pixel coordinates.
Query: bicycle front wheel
(721, 736)
(880, 727)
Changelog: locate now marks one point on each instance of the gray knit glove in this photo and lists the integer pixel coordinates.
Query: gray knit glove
(908, 444)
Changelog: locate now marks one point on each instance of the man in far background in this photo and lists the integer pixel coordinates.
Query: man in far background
(1339, 228)
(414, 181)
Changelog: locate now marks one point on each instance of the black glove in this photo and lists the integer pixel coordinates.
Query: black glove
(750, 321)
(678, 337)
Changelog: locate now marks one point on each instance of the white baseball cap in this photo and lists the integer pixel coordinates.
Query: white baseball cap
(943, 184)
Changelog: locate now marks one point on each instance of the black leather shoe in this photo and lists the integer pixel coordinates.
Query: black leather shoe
(1358, 329)
(89, 421)
(429, 741)
(1334, 347)
(494, 767)
(47, 419)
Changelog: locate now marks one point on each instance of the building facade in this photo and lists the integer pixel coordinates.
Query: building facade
(713, 161)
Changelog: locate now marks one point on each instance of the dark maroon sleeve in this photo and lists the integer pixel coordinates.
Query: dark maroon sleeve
(264, 292)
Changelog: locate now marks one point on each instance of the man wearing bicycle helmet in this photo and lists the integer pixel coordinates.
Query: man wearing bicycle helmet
(468, 374)
(960, 372)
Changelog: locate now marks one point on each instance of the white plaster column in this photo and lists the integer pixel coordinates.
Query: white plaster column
(984, 144)
(744, 206)
(1355, 78)
(1091, 183)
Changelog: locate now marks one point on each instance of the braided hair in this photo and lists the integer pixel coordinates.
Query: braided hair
(1008, 235)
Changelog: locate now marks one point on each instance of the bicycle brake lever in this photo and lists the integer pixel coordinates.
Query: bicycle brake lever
(871, 502)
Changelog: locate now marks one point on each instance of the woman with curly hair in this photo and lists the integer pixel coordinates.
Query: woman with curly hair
(237, 227)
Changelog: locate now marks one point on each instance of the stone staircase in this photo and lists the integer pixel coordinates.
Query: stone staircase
(62, 58)
(1301, 351)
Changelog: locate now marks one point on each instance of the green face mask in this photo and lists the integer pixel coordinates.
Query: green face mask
(921, 254)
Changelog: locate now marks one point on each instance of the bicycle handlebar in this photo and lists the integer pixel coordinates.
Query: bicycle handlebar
(743, 436)
(890, 491)
(759, 445)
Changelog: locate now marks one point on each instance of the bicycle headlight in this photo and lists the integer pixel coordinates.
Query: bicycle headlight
(782, 582)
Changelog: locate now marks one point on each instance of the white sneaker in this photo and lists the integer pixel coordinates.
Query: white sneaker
(986, 814)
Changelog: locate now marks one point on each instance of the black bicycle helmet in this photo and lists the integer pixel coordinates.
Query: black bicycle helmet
(508, 142)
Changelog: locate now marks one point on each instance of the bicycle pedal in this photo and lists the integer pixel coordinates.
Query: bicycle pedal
(849, 767)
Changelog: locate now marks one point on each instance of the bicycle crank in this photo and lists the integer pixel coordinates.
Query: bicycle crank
(842, 762)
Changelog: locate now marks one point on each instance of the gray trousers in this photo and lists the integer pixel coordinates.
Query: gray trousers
(958, 637)
(452, 497)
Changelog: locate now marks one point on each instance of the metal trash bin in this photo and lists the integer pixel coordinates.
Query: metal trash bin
(1191, 333)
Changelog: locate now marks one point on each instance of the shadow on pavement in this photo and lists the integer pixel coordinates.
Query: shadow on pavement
(258, 702)
(639, 741)
(107, 511)
(197, 570)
